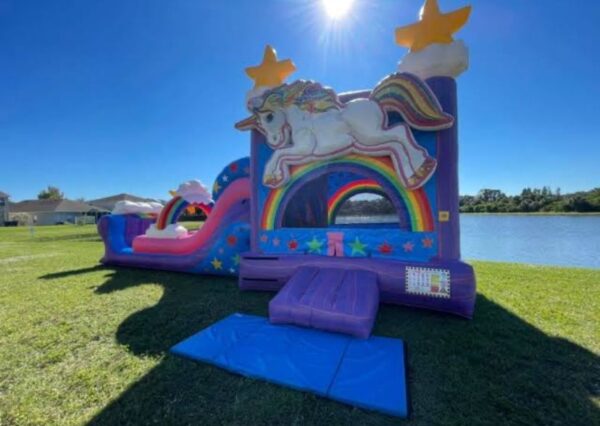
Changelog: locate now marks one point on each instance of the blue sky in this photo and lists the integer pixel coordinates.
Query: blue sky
(101, 97)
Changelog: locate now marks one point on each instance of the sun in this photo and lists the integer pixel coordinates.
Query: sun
(337, 9)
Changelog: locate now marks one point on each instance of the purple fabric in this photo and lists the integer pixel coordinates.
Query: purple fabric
(271, 273)
(331, 299)
(135, 226)
(447, 170)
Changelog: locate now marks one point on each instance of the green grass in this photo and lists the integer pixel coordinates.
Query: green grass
(192, 225)
(81, 343)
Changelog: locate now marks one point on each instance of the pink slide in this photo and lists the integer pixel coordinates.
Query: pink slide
(230, 199)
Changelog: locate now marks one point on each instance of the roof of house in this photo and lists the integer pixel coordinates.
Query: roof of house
(56, 206)
(3, 195)
(118, 197)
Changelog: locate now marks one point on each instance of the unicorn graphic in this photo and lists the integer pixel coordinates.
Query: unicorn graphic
(304, 122)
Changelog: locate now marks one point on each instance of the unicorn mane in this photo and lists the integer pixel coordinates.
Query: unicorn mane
(412, 98)
(306, 95)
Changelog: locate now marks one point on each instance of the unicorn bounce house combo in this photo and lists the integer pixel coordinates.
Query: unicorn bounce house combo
(273, 221)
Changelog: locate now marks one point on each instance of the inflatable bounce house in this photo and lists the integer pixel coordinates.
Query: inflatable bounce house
(276, 219)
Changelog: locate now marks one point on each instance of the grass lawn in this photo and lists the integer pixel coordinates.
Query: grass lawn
(82, 343)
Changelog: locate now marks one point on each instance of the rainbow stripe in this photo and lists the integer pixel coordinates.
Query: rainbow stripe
(171, 212)
(349, 190)
(416, 202)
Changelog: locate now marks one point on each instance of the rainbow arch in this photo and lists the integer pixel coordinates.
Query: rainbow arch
(169, 214)
(347, 191)
(416, 201)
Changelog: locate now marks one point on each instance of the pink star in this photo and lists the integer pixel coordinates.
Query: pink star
(276, 241)
(408, 246)
(264, 238)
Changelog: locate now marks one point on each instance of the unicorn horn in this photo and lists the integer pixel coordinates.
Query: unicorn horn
(247, 123)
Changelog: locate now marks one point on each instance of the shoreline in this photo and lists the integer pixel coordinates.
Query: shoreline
(498, 214)
(473, 261)
(532, 213)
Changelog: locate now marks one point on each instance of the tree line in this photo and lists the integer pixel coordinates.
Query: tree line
(531, 200)
(377, 206)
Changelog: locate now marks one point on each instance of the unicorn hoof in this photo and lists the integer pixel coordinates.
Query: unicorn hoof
(422, 174)
(427, 168)
(272, 181)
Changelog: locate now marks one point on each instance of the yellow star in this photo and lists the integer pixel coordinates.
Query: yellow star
(433, 27)
(270, 72)
(216, 263)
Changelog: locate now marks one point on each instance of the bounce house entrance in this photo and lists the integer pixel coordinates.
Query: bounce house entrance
(345, 200)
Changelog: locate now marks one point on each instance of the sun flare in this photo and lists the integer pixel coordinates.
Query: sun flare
(337, 9)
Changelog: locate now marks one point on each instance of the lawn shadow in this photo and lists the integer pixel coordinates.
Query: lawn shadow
(85, 237)
(494, 369)
(64, 274)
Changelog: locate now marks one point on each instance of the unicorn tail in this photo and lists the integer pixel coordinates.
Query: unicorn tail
(413, 99)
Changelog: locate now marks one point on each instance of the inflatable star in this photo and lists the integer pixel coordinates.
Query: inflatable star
(357, 247)
(314, 246)
(433, 27)
(217, 264)
(270, 72)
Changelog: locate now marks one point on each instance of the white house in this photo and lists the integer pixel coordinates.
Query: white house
(52, 212)
(108, 203)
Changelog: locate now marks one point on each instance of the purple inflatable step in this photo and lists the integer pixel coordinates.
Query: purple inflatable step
(331, 299)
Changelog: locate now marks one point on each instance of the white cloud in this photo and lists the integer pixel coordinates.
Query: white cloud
(194, 191)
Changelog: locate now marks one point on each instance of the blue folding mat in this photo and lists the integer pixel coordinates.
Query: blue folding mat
(367, 373)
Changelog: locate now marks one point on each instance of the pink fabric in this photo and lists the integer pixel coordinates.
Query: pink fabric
(238, 190)
(335, 244)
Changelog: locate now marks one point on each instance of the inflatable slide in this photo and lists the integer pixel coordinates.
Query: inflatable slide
(147, 235)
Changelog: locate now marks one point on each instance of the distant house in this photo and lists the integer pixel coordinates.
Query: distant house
(52, 212)
(4, 206)
(108, 203)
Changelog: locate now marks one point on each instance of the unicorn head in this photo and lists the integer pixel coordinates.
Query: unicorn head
(269, 110)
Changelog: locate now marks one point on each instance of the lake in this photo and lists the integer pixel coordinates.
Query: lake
(547, 240)
(569, 240)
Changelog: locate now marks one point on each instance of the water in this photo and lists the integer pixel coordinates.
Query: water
(545, 240)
